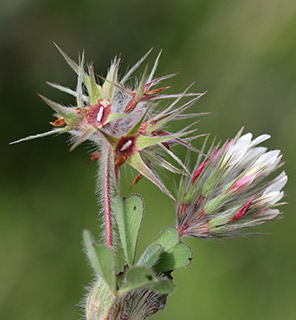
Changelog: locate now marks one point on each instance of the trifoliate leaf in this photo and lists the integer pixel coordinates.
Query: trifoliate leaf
(129, 214)
(137, 277)
(162, 286)
(101, 260)
(150, 255)
(176, 254)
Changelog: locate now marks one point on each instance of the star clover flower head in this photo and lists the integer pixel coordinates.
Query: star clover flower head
(231, 189)
(126, 118)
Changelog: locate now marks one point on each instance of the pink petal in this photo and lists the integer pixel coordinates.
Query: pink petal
(243, 210)
(243, 183)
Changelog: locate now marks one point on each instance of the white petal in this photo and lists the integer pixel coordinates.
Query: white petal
(252, 155)
(236, 152)
(278, 183)
(268, 213)
(245, 137)
(270, 198)
(259, 139)
(266, 163)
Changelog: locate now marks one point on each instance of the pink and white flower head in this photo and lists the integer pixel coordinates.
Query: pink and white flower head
(231, 189)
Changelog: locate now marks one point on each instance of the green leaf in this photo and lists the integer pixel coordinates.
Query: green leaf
(167, 238)
(162, 286)
(101, 259)
(176, 254)
(139, 277)
(178, 257)
(136, 278)
(150, 255)
(129, 214)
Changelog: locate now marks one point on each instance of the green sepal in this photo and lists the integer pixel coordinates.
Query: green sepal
(141, 88)
(68, 114)
(209, 186)
(136, 162)
(220, 220)
(150, 255)
(95, 93)
(135, 67)
(112, 140)
(129, 213)
(67, 90)
(101, 259)
(108, 86)
(182, 184)
(143, 142)
(86, 134)
(75, 67)
(115, 116)
(214, 204)
(176, 254)
(79, 99)
(41, 135)
(135, 129)
(161, 120)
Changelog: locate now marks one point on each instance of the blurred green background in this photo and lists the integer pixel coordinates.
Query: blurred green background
(242, 52)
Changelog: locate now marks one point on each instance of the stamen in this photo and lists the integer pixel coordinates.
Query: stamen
(100, 114)
(126, 145)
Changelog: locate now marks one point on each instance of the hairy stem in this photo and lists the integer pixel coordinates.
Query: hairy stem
(107, 199)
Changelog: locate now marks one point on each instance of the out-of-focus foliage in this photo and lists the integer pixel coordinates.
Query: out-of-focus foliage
(242, 52)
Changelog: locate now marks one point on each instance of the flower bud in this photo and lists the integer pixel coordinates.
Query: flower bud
(138, 304)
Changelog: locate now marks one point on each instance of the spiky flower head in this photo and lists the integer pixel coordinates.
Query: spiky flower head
(231, 189)
(126, 120)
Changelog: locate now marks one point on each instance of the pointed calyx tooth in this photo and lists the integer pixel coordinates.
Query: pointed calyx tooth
(136, 180)
(126, 145)
(100, 114)
(58, 122)
(94, 156)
